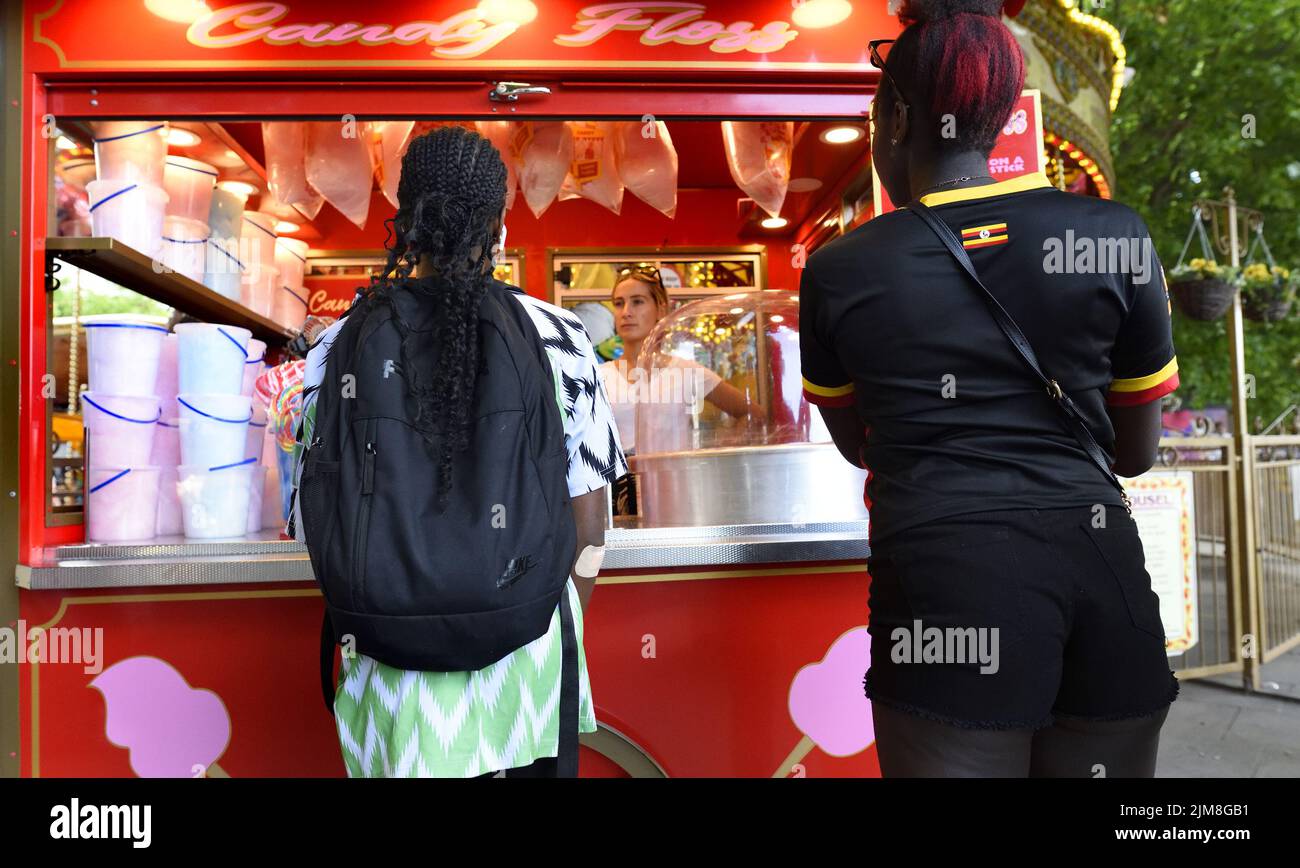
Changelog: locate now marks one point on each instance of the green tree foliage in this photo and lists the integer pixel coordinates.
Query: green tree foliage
(99, 296)
(1215, 102)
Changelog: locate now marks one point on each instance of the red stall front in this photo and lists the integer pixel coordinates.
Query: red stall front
(719, 141)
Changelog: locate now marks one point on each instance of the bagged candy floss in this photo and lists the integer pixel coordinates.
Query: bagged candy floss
(286, 164)
(499, 134)
(647, 163)
(758, 155)
(340, 166)
(543, 151)
(593, 173)
(391, 139)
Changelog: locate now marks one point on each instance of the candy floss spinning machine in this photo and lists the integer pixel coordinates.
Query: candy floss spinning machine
(707, 467)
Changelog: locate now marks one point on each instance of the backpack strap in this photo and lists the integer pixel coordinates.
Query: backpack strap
(327, 684)
(1065, 404)
(567, 750)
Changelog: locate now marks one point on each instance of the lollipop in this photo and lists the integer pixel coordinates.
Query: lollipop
(280, 388)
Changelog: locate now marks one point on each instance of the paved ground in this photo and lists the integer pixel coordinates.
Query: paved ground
(1217, 730)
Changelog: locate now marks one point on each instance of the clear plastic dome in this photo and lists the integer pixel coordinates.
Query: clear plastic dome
(724, 372)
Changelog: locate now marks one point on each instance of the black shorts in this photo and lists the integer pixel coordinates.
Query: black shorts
(1007, 619)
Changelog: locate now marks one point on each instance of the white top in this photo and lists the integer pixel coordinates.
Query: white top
(671, 399)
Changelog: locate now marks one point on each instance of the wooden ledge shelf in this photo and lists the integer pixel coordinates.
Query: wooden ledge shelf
(127, 267)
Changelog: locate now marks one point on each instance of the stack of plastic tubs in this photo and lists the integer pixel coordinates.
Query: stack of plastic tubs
(261, 278)
(127, 201)
(215, 474)
(224, 262)
(120, 414)
(290, 309)
(189, 185)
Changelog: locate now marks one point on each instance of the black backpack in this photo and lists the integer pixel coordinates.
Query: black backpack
(416, 587)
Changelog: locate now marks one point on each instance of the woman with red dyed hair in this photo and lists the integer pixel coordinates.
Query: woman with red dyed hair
(1014, 629)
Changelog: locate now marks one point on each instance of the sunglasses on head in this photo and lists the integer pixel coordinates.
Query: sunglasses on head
(648, 271)
(880, 49)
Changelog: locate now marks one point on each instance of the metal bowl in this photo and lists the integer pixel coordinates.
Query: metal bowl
(795, 483)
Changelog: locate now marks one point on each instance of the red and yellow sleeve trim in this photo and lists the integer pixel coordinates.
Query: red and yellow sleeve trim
(828, 396)
(1143, 390)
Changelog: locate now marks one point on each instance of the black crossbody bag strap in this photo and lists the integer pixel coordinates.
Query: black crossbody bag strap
(1069, 410)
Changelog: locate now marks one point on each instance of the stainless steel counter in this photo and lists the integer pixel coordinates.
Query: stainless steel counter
(176, 561)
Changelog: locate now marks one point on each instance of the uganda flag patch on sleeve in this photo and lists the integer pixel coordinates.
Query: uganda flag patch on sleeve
(984, 236)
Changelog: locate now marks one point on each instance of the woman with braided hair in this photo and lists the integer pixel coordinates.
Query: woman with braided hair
(1014, 629)
(438, 284)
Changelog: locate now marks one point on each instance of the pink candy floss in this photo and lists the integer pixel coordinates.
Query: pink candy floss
(168, 726)
(826, 699)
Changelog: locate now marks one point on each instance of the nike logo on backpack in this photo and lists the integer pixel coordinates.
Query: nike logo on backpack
(515, 570)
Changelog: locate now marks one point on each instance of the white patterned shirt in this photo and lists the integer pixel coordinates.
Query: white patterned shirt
(402, 723)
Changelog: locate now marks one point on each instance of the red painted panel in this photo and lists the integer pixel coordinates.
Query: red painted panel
(721, 37)
(713, 699)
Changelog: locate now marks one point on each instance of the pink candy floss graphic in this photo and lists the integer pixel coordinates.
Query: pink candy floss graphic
(168, 726)
(826, 699)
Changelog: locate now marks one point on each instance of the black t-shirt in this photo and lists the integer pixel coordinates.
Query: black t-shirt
(956, 422)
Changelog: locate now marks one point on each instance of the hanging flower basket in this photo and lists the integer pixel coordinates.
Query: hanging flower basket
(1203, 289)
(1266, 292)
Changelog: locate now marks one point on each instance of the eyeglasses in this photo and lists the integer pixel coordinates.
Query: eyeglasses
(878, 60)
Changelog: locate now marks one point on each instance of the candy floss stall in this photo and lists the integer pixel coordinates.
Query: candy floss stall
(235, 162)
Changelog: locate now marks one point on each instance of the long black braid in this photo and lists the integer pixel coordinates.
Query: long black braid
(450, 198)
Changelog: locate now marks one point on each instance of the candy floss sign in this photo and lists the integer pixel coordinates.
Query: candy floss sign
(766, 34)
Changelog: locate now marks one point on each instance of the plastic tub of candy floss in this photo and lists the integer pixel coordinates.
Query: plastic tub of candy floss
(128, 211)
(226, 214)
(210, 358)
(273, 517)
(214, 500)
(259, 289)
(167, 385)
(122, 503)
(189, 183)
(290, 306)
(185, 246)
(169, 503)
(253, 368)
(214, 429)
(223, 270)
(166, 442)
(256, 434)
(256, 490)
(123, 356)
(121, 428)
(131, 151)
(258, 238)
(77, 173)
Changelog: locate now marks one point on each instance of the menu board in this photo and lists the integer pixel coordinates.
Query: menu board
(1164, 509)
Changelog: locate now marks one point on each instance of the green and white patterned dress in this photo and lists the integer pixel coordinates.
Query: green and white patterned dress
(403, 723)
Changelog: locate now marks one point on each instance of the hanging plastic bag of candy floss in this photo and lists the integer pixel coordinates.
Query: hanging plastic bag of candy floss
(647, 163)
(593, 173)
(499, 133)
(280, 389)
(286, 166)
(543, 150)
(391, 139)
(340, 165)
(758, 154)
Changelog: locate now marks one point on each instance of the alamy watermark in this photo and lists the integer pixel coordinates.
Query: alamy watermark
(82, 645)
(919, 644)
(1087, 255)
